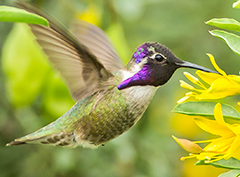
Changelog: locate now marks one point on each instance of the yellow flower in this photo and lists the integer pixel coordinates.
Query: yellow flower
(225, 146)
(92, 15)
(219, 85)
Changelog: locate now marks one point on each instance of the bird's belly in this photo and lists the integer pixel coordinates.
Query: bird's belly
(101, 126)
(111, 118)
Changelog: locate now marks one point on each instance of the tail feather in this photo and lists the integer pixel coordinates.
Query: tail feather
(61, 139)
(13, 143)
(49, 134)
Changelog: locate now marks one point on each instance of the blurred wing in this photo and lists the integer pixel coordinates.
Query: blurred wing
(83, 72)
(97, 42)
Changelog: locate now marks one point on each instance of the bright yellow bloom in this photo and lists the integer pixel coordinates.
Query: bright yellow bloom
(92, 14)
(225, 146)
(220, 85)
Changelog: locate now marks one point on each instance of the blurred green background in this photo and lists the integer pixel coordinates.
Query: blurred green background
(32, 94)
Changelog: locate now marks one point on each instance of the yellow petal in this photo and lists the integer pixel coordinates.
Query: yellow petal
(235, 146)
(212, 126)
(188, 145)
(237, 155)
(215, 64)
(220, 88)
(235, 78)
(207, 77)
(235, 128)
(218, 114)
(220, 145)
(224, 85)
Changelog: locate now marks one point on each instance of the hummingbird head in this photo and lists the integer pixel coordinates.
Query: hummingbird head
(153, 64)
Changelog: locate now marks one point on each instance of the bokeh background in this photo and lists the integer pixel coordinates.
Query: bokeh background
(33, 94)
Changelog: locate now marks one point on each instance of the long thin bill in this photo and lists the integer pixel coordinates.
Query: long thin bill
(186, 64)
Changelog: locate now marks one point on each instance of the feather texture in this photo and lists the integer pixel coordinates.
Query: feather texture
(98, 43)
(81, 67)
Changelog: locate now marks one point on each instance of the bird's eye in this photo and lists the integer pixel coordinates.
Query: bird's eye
(159, 57)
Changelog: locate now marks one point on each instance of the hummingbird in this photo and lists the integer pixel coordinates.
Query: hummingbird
(110, 98)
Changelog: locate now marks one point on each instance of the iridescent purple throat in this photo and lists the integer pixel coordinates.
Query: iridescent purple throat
(143, 77)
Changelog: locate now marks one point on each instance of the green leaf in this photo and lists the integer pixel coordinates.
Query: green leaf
(231, 173)
(236, 5)
(231, 163)
(232, 40)
(12, 14)
(225, 23)
(205, 109)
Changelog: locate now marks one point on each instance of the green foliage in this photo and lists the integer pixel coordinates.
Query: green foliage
(231, 173)
(198, 108)
(236, 5)
(232, 40)
(231, 163)
(225, 23)
(12, 14)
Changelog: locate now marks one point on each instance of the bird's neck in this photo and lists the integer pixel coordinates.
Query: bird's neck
(136, 93)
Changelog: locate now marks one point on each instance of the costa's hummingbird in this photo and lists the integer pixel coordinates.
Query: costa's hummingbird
(111, 98)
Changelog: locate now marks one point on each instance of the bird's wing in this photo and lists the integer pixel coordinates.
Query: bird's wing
(82, 70)
(98, 43)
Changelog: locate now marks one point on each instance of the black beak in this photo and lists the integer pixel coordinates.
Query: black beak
(186, 64)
